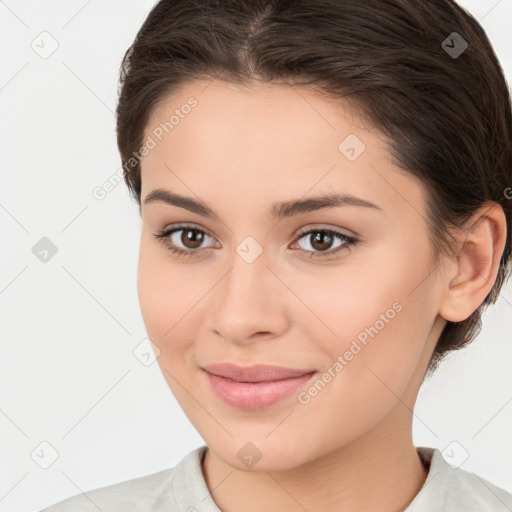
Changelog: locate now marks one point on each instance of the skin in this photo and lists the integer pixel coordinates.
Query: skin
(239, 151)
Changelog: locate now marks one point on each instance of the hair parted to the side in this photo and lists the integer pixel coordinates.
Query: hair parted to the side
(448, 120)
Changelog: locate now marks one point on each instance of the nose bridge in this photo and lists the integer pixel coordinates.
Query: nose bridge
(244, 304)
(245, 283)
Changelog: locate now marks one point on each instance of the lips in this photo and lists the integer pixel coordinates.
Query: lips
(254, 373)
(254, 387)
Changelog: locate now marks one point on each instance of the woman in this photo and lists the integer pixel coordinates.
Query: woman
(325, 195)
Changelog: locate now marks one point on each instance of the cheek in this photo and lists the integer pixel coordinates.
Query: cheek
(166, 294)
(371, 359)
(377, 314)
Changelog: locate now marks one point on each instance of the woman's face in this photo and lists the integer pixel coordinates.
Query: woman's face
(356, 301)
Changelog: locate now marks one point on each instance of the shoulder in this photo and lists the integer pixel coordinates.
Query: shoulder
(451, 489)
(165, 491)
(147, 493)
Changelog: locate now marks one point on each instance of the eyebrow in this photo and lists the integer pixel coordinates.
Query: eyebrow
(279, 210)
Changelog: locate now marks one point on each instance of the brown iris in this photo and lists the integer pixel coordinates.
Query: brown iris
(192, 238)
(321, 240)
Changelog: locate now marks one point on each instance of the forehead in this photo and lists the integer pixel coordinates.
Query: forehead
(269, 141)
(256, 114)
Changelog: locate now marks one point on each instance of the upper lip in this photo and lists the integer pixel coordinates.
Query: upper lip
(254, 373)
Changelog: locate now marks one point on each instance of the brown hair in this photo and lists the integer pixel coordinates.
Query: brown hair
(446, 110)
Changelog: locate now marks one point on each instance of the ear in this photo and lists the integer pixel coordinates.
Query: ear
(470, 276)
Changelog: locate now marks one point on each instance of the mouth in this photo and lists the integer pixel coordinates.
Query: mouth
(254, 387)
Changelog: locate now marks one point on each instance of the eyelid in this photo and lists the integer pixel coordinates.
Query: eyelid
(185, 225)
(323, 227)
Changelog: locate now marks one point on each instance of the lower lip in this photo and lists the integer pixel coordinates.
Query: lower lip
(252, 396)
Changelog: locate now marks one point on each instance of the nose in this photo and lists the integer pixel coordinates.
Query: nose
(249, 302)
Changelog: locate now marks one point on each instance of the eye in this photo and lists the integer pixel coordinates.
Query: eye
(319, 242)
(184, 240)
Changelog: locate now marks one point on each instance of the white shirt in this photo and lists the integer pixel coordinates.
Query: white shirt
(183, 489)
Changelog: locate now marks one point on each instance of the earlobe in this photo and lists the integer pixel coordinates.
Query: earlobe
(472, 275)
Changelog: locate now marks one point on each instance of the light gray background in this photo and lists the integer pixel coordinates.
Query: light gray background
(68, 374)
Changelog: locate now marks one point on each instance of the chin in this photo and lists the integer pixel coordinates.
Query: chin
(259, 455)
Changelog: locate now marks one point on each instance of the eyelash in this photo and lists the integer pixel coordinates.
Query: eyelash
(164, 234)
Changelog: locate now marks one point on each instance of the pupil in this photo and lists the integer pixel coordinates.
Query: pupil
(321, 240)
(192, 238)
